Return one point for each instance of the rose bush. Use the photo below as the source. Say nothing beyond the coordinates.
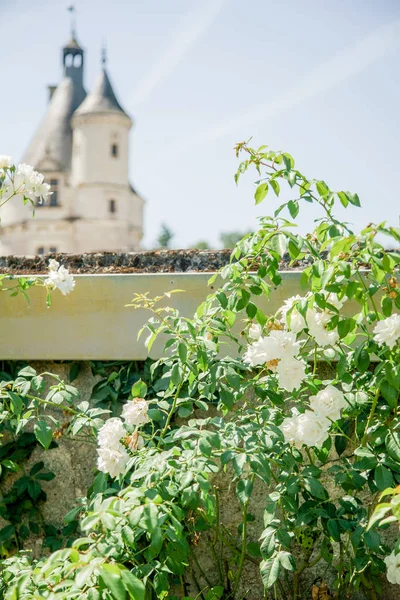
(240, 395)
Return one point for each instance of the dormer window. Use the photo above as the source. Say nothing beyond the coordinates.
(114, 150)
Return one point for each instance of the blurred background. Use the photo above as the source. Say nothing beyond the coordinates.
(318, 79)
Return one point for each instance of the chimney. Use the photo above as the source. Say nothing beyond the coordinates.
(52, 89)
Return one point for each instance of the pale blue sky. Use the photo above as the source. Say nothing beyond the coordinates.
(318, 78)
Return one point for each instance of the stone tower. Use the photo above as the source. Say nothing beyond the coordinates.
(82, 148)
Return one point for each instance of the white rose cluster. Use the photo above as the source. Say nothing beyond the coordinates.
(387, 331)
(315, 320)
(277, 351)
(311, 428)
(59, 277)
(113, 455)
(23, 180)
(393, 567)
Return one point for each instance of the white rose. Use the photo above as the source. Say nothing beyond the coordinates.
(296, 321)
(278, 344)
(265, 349)
(289, 429)
(5, 161)
(112, 460)
(312, 429)
(387, 331)
(316, 322)
(135, 412)
(255, 331)
(393, 568)
(60, 278)
(111, 433)
(291, 372)
(306, 429)
(328, 403)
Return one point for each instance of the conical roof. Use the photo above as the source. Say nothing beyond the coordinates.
(102, 98)
(53, 138)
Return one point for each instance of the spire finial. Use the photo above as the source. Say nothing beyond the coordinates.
(72, 10)
(104, 54)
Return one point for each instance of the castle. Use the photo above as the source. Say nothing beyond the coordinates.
(82, 148)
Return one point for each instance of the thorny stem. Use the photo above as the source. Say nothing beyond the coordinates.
(367, 292)
(217, 535)
(171, 412)
(53, 404)
(244, 543)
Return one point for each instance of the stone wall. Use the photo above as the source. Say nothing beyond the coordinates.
(74, 465)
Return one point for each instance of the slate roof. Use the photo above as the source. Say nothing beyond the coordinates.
(102, 98)
(53, 138)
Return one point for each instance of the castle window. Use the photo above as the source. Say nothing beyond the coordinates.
(69, 60)
(112, 206)
(40, 251)
(54, 195)
(77, 60)
(114, 150)
(52, 249)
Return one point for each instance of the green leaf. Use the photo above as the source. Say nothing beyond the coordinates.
(322, 188)
(74, 371)
(344, 327)
(278, 243)
(133, 586)
(392, 443)
(372, 540)
(270, 571)
(389, 393)
(34, 489)
(251, 310)
(261, 192)
(353, 199)
(113, 582)
(293, 207)
(275, 186)
(378, 514)
(343, 199)
(139, 389)
(215, 593)
(383, 477)
(334, 530)
(182, 351)
(387, 306)
(36, 468)
(244, 489)
(7, 533)
(315, 488)
(287, 561)
(27, 372)
(43, 433)
(16, 403)
(149, 520)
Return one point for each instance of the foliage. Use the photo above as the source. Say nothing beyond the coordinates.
(219, 417)
(229, 239)
(164, 237)
(33, 415)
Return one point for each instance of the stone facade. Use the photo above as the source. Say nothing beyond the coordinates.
(82, 148)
